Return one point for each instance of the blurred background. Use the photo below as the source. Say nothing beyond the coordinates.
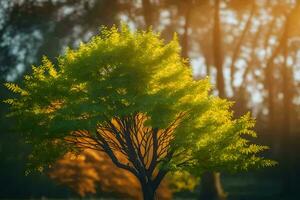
(249, 48)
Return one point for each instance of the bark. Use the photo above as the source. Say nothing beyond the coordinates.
(237, 50)
(286, 155)
(217, 50)
(148, 191)
(286, 85)
(287, 148)
(269, 75)
(148, 13)
(211, 187)
(268, 81)
(149, 186)
(185, 37)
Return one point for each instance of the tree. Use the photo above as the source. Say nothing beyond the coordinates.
(217, 50)
(30, 28)
(211, 187)
(131, 96)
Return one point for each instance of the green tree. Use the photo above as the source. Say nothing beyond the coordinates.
(131, 96)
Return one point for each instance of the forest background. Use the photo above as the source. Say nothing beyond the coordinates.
(249, 48)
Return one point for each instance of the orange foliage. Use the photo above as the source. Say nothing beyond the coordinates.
(92, 169)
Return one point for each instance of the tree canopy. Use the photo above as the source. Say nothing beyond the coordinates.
(130, 93)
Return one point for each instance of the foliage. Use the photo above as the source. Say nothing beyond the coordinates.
(123, 75)
(92, 169)
(182, 181)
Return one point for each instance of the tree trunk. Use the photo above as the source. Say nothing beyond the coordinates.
(272, 126)
(286, 155)
(211, 187)
(185, 36)
(148, 13)
(148, 191)
(237, 50)
(217, 50)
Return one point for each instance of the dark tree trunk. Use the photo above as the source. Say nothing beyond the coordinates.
(211, 187)
(148, 191)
